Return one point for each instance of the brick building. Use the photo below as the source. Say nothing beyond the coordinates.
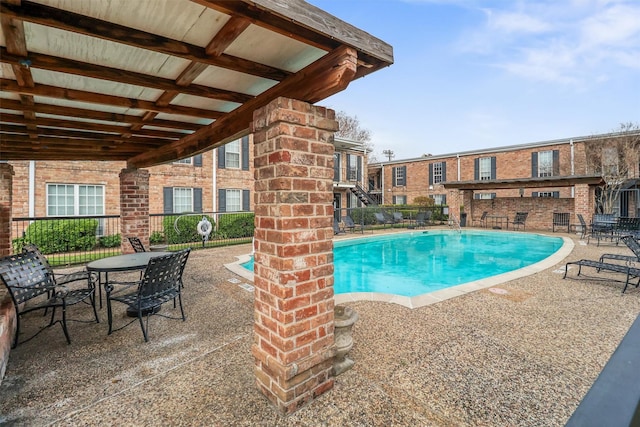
(519, 177)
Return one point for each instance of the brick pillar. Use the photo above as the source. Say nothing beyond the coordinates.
(6, 198)
(584, 200)
(134, 206)
(293, 276)
(454, 200)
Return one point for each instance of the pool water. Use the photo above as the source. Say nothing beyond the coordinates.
(412, 264)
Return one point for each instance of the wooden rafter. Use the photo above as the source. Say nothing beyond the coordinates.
(99, 98)
(85, 69)
(335, 70)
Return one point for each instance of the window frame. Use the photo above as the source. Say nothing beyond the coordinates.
(230, 155)
(484, 169)
(77, 197)
(177, 199)
(229, 191)
(545, 163)
(438, 172)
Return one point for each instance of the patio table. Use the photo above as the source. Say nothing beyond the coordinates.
(498, 219)
(119, 264)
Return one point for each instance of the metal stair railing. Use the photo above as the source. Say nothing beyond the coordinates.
(363, 195)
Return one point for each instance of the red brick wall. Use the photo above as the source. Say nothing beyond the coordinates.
(509, 164)
(540, 210)
(6, 202)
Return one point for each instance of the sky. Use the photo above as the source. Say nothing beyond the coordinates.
(472, 74)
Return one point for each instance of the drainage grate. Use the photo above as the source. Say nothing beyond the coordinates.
(233, 280)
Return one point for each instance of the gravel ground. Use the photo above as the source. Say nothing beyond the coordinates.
(522, 358)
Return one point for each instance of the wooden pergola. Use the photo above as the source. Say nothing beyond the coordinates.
(153, 81)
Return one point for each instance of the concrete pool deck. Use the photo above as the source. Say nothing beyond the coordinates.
(431, 297)
(524, 356)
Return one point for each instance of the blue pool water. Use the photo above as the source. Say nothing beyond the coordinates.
(412, 264)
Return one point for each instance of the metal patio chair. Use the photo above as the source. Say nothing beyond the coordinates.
(136, 244)
(162, 282)
(32, 286)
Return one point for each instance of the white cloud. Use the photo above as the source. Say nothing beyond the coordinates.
(563, 42)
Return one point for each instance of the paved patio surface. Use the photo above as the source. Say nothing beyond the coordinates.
(521, 358)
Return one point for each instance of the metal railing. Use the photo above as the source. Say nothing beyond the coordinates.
(78, 240)
(365, 216)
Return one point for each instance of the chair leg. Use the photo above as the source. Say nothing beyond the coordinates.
(181, 309)
(109, 316)
(15, 339)
(64, 323)
(144, 331)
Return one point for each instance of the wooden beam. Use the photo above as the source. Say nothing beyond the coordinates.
(227, 35)
(8, 85)
(98, 127)
(81, 134)
(308, 24)
(102, 116)
(81, 24)
(85, 69)
(336, 69)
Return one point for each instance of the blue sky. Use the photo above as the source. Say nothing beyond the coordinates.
(472, 74)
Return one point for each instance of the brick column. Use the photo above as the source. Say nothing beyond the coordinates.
(134, 206)
(584, 200)
(454, 200)
(293, 276)
(6, 198)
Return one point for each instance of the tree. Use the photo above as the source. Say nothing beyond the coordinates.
(349, 128)
(616, 159)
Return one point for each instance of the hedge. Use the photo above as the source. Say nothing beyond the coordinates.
(187, 228)
(63, 235)
(236, 225)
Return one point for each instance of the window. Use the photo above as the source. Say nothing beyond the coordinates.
(440, 199)
(400, 176)
(234, 200)
(545, 163)
(352, 200)
(553, 194)
(437, 173)
(336, 167)
(186, 161)
(182, 200)
(75, 200)
(485, 168)
(232, 155)
(485, 196)
(352, 167)
(399, 200)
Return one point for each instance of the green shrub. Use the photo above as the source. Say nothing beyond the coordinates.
(156, 237)
(63, 235)
(368, 215)
(234, 225)
(187, 228)
(18, 244)
(112, 241)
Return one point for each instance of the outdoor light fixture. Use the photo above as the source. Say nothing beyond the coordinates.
(521, 192)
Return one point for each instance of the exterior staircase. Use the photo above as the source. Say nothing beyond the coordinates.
(363, 196)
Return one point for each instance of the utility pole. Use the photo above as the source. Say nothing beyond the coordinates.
(389, 154)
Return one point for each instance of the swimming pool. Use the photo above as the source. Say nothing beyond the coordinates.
(417, 263)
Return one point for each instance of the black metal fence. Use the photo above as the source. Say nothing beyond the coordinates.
(397, 216)
(78, 240)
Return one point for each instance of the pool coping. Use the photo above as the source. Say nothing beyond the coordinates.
(439, 295)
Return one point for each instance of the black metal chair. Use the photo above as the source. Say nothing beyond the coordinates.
(162, 282)
(520, 220)
(383, 219)
(482, 220)
(584, 228)
(136, 244)
(632, 244)
(32, 286)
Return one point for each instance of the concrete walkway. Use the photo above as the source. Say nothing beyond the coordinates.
(521, 358)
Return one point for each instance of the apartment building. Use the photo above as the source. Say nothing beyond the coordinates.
(528, 173)
(220, 180)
